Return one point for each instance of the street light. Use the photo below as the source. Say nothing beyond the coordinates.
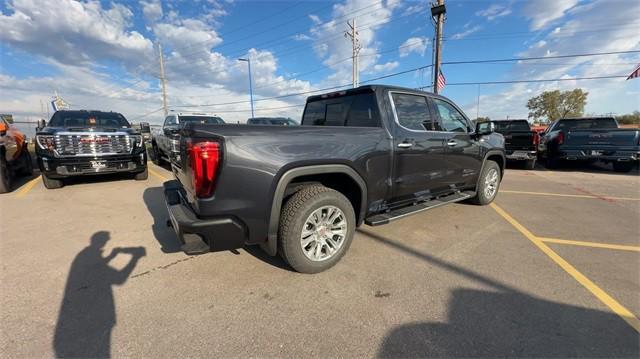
(248, 61)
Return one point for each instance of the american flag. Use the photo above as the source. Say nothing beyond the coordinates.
(441, 81)
(635, 73)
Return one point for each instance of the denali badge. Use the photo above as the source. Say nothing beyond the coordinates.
(97, 140)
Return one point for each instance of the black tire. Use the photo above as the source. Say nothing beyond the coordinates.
(51, 183)
(530, 164)
(27, 164)
(483, 195)
(157, 158)
(5, 175)
(293, 218)
(142, 176)
(623, 167)
(551, 163)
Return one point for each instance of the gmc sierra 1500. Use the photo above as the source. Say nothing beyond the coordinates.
(367, 155)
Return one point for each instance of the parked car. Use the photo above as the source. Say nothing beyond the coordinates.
(520, 141)
(79, 143)
(145, 131)
(165, 143)
(591, 139)
(370, 155)
(279, 121)
(15, 159)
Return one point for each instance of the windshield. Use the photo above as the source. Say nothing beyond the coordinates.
(586, 123)
(282, 122)
(209, 120)
(512, 126)
(88, 119)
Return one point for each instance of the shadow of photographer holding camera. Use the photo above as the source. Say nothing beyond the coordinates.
(88, 313)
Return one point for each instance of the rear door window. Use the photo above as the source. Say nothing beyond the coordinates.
(354, 110)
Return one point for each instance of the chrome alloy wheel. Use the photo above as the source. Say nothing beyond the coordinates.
(491, 183)
(323, 233)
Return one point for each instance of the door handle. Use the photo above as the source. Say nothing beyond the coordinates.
(451, 143)
(405, 145)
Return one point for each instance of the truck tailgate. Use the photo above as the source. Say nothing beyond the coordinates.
(602, 137)
(519, 140)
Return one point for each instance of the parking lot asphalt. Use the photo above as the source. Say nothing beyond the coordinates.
(551, 269)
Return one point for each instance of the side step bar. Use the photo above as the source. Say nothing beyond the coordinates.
(384, 218)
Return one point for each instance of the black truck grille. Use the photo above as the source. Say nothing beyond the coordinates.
(93, 144)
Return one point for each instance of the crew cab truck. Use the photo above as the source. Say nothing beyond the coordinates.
(520, 141)
(165, 143)
(590, 139)
(15, 158)
(81, 142)
(370, 155)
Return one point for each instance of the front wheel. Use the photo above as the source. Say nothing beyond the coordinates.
(623, 167)
(50, 183)
(530, 164)
(141, 176)
(5, 175)
(157, 156)
(488, 185)
(27, 164)
(317, 225)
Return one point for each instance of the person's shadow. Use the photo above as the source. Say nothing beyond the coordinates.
(87, 314)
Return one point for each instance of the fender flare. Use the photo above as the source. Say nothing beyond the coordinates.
(271, 246)
(484, 161)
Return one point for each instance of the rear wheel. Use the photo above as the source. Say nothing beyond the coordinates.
(51, 183)
(317, 225)
(5, 175)
(623, 166)
(488, 185)
(551, 163)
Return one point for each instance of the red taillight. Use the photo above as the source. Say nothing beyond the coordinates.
(560, 138)
(536, 139)
(204, 158)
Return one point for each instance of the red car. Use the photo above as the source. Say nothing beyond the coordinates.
(14, 155)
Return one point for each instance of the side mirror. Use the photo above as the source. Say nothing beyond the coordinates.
(41, 124)
(485, 128)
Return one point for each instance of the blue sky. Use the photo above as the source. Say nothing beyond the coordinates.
(103, 54)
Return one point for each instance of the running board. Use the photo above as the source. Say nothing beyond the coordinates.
(384, 218)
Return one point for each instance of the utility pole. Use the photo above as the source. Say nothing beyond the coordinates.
(248, 61)
(355, 50)
(163, 80)
(438, 12)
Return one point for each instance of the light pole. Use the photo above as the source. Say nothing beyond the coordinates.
(248, 61)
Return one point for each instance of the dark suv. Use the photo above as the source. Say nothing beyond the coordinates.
(77, 143)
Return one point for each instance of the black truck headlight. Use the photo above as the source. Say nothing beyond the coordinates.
(46, 142)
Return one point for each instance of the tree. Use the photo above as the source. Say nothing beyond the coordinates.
(629, 119)
(482, 119)
(553, 105)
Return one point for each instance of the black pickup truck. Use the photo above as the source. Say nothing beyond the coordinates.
(591, 139)
(77, 143)
(164, 144)
(367, 155)
(520, 142)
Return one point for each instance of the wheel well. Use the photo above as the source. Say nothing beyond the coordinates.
(340, 182)
(499, 160)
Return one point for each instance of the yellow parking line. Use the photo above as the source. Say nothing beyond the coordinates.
(571, 195)
(605, 298)
(619, 247)
(27, 187)
(158, 175)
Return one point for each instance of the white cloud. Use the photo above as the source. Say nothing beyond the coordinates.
(301, 37)
(73, 32)
(494, 11)
(413, 44)
(151, 10)
(315, 19)
(337, 48)
(467, 32)
(385, 67)
(544, 12)
(577, 36)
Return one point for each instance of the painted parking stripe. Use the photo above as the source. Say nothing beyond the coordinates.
(598, 292)
(161, 177)
(570, 195)
(27, 187)
(619, 247)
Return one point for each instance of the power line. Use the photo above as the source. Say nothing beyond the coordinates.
(531, 81)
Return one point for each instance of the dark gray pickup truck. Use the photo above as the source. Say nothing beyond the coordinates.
(591, 139)
(520, 142)
(367, 155)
